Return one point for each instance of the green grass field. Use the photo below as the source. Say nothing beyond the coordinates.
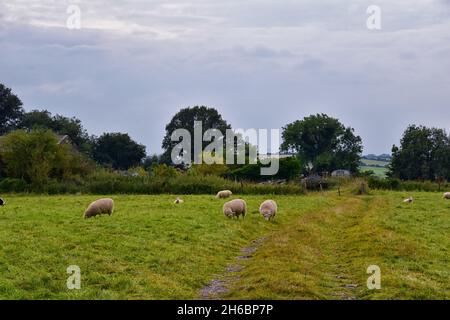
(318, 247)
(369, 162)
(378, 167)
(379, 172)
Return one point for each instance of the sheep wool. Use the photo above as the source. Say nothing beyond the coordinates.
(268, 209)
(100, 206)
(409, 200)
(235, 208)
(224, 194)
(178, 200)
(447, 195)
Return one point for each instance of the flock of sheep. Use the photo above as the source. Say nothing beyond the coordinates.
(231, 209)
(238, 207)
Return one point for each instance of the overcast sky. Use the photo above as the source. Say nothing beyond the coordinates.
(262, 64)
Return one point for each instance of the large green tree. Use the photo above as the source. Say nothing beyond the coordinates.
(72, 127)
(424, 153)
(322, 143)
(36, 119)
(184, 119)
(11, 110)
(118, 151)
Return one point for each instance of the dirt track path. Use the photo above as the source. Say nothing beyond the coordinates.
(314, 256)
(220, 286)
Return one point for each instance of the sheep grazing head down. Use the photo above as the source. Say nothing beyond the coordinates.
(267, 214)
(447, 195)
(228, 212)
(235, 208)
(101, 206)
(268, 209)
(178, 200)
(2, 202)
(224, 194)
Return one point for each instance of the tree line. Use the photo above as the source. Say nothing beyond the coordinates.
(318, 143)
(116, 150)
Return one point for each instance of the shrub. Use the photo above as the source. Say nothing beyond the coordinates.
(289, 169)
(164, 171)
(13, 185)
(137, 171)
(208, 170)
(396, 184)
(359, 187)
(315, 182)
(36, 156)
(107, 182)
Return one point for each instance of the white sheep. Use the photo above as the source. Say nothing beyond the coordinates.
(178, 200)
(235, 208)
(447, 195)
(101, 206)
(268, 209)
(2, 202)
(224, 194)
(408, 200)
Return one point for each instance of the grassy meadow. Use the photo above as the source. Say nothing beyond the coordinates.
(377, 166)
(318, 247)
(378, 171)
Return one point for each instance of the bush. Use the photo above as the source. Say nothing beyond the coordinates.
(137, 171)
(315, 182)
(108, 182)
(163, 171)
(359, 187)
(13, 185)
(396, 184)
(208, 170)
(289, 169)
(36, 156)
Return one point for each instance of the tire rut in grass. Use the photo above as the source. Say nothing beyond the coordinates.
(346, 286)
(220, 286)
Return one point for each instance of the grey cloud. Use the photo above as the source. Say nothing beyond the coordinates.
(263, 64)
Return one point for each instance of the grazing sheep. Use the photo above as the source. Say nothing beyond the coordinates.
(268, 209)
(447, 195)
(409, 200)
(2, 202)
(101, 206)
(178, 200)
(235, 208)
(224, 194)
